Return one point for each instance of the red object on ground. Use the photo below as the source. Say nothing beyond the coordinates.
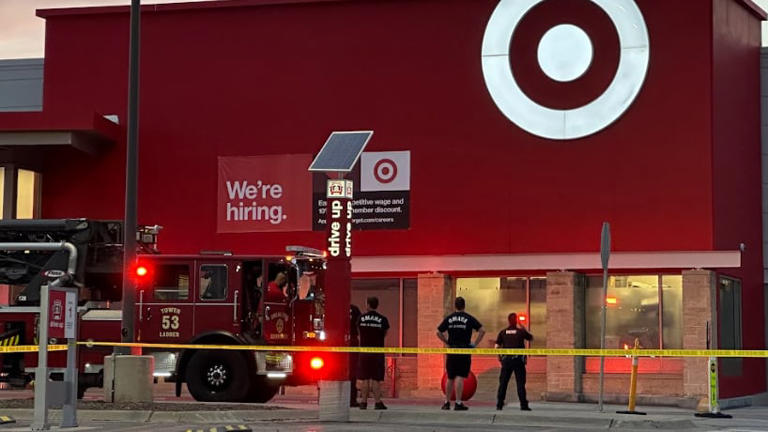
(470, 387)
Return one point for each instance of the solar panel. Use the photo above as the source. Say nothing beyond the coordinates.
(341, 151)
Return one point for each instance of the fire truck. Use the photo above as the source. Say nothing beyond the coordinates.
(210, 298)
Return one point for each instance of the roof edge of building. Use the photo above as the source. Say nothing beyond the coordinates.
(706, 259)
(753, 7)
(215, 4)
(168, 7)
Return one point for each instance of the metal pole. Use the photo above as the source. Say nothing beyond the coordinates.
(69, 408)
(602, 338)
(605, 256)
(40, 417)
(131, 178)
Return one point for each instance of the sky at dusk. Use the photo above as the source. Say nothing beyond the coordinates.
(22, 33)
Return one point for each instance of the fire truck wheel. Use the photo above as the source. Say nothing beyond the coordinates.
(262, 390)
(218, 376)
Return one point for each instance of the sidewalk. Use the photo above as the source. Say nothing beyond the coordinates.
(544, 414)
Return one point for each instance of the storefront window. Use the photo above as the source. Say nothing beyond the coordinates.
(672, 311)
(538, 312)
(730, 324)
(27, 194)
(410, 313)
(388, 292)
(633, 311)
(490, 300)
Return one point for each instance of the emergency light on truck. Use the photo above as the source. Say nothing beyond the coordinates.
(141, 271)
(316, 363)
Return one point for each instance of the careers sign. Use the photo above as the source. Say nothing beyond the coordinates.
(264, 193)
(382, 192)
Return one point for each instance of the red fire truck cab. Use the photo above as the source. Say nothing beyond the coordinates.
(211, 298)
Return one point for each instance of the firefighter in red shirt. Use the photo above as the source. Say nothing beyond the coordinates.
(275, 292)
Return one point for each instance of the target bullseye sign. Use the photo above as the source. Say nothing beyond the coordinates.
(385, 170)
(565, 53)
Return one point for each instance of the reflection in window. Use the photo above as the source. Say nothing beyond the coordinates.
(632, 311)
(490, 300)
(410, 313)
(730, 324)
(27, 194)
(171, 282)
(538, 313)
(213, 282)
(672, 311)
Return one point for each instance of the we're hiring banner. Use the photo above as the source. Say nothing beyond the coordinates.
(264, 193)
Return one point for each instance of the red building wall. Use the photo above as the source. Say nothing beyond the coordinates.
(736, 171)
(277, 79)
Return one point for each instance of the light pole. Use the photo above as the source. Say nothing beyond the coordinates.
(605, 256)
(131, 180)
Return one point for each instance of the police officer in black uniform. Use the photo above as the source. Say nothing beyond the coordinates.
(372, 327)
(513, 336)
(459, 326)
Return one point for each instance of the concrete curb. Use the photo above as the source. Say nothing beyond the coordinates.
(392, 416)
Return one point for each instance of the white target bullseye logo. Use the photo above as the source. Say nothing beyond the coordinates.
(385, 171)
(565, 54)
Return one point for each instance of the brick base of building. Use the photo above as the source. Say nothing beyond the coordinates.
(681, 382)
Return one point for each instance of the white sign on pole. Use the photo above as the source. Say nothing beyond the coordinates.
(70, 315)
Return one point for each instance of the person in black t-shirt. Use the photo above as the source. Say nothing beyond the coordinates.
(354, 340)
(513, 336)
(459, 327)
(372, 327)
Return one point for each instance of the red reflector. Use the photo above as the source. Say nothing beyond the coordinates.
(141, 271)
(316, 363)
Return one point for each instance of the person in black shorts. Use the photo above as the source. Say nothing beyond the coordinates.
(459, 327)
(354, 341)
(372, 327)
(513, 336)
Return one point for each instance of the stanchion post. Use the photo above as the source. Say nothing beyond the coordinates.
(40, 417)
(714, 393)
(633, 383)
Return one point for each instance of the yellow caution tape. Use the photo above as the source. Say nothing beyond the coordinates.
(371, 350)
(475, 351)
(29, 348)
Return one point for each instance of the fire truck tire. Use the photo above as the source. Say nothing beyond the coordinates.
(262, 390)
(218, 376)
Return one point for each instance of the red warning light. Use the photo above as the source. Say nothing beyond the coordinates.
(316, 363)
(522, 318)
(141, 271)
(611, 300)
